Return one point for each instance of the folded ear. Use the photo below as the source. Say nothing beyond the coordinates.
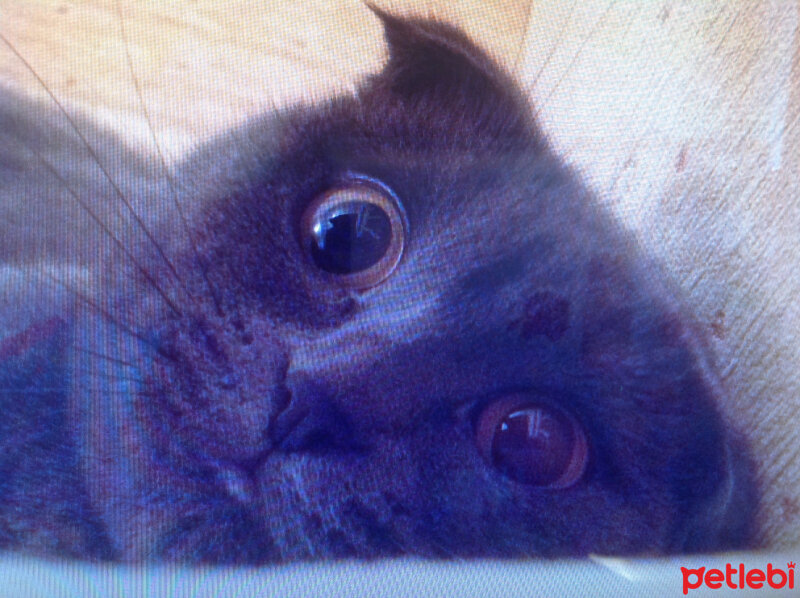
(431, 58)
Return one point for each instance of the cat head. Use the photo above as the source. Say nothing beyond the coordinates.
(399, 324)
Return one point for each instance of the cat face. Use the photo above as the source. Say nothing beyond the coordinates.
(397, 324)
(400, 325)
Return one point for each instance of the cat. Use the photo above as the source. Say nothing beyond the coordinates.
(391, 323)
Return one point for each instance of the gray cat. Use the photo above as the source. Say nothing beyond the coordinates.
(391, 323)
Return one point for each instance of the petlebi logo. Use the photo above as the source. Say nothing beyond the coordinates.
(739, 577)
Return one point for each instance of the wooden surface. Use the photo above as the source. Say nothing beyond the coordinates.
(683, 116)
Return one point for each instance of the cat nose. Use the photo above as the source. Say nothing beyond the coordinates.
(311, 422)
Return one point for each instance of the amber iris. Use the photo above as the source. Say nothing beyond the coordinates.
(532, 443)
(356, 233)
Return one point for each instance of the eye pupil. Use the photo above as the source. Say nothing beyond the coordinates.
(350, 237)
(533, 446)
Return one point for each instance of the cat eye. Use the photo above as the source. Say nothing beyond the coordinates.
(532, 443)
(356, 232)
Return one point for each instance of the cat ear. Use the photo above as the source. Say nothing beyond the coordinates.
(427, 57)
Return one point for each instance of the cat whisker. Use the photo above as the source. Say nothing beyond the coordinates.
(110, 359)
(93, 154)
(104, 356)
(106, 377)
(105, 314)
(165, 170)
(109, 378)
(104, 227)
